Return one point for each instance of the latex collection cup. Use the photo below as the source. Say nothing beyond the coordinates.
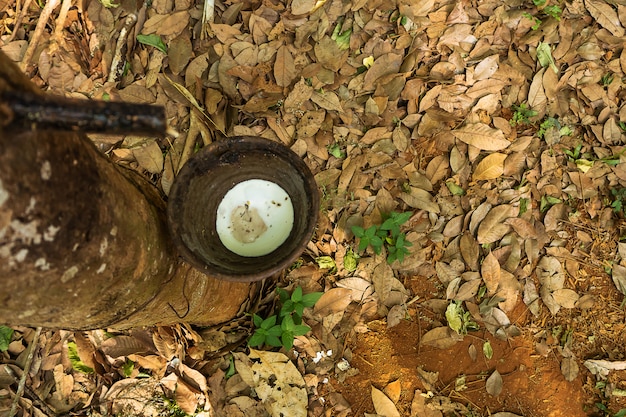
(243, 208)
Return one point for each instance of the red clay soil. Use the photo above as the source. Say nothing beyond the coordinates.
(533, 385)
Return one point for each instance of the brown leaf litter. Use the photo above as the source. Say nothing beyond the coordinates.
(419, 107)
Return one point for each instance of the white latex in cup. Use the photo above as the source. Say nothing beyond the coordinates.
(254, 218)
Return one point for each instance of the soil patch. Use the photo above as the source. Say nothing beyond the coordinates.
(533, 385)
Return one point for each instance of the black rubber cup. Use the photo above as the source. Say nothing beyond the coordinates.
(200, 187)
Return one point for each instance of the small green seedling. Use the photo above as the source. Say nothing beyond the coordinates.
(459, 320)
(536, 21)
(606, 79)
(607, 412)
(553, 11)
(548, 201)
(522, 115)
(75, 360)
(387, 234)
(154, 41)
(172, 409)
(281, 330)
(342, 37)
(619, 196)
(6, 333)
(296, 303)
(335, 150)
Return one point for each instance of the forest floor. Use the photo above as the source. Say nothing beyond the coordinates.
(499, 126)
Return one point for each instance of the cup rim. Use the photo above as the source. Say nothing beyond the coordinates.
(213, 152)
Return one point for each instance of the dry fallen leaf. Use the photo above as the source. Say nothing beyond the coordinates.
(284, 67)
(490, 273)
(494, 384)
(420, 408)
(491, 167)
(149, 156)
(606, 16)
(276, 381)
(333, 301)
(440, 337)
(393, 390)
(482, 137)
(383, 405)
(618, 273)
(569, 368)
(565, 297)
(493, 228)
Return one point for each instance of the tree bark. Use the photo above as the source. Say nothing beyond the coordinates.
(84, 243)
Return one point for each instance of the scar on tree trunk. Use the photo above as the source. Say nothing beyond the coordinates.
(83, 242)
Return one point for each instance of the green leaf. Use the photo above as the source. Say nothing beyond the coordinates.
(297, 295)
(350, 261)
(309, 300)
(128, 368)
(284, 295)
(299, 311)
(602, 407)
(342, 38)
(301, 330)
(257, 339)
(454, 316)
(231, 367)
(377, 244)
(402, 218)
(152, 40)
(287, 324)
(273, 341)
(371, 232)
(383, 234)
(297, 318)
(287, 340)
(6, 334)
(326, 262)
(621, 413)
(335, 150)
(268, 322)
(108, 4)
(363, 244)
(388, 224)
(358, 231)
(487, 350)
(554, 11)
(77, 364)
(454, 188)
(275, 331)
(257, 320)
(287, 308)
(544, 56)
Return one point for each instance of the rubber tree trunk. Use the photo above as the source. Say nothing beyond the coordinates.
(84, 243)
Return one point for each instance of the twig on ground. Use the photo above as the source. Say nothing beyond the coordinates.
(208, 14)
(57, 38)
(18, 21)
(30, 393)
(27, 364)
(118, 62)
(41, 25)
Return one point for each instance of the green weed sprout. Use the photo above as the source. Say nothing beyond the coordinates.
(460, 320)
(522, 114)
(387, 234)
(281, 330)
